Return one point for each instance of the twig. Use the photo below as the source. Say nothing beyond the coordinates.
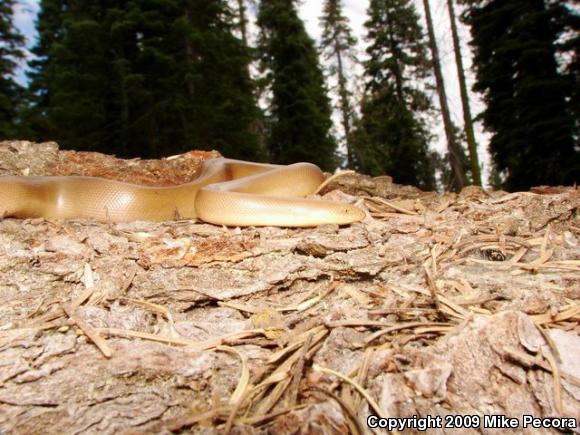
(262, 418)
(331, 179)
(529, 361)
(557, 386)
(391, 205)
(244, 380)
(360, 389)
(432, 287)
(356, 322)
(88, 330)
(297, 371)
(398, 327)
(349, 411)
(197, 345)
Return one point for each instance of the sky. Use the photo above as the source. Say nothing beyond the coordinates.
(310, 12)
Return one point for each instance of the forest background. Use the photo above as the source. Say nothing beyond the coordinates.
(154, 78)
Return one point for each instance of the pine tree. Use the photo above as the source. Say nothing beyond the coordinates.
(194, 88)
(11, 45)
(242, 20)
(80, 85)
(566, 22)
(75, 75)
(299, 110)
(337, 45)
(145, 78)
(527, 110)
(50, 28)
(392, 137)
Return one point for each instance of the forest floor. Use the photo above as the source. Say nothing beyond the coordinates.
(463, 306)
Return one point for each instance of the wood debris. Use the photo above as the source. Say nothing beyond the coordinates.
(436, 304)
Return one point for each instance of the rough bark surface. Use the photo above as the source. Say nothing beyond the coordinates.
(436, 304)
(453, 148)
(467, 119)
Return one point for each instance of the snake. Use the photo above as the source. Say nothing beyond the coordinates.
(226, 192)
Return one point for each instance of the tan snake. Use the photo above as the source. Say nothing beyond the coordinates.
(227, 192)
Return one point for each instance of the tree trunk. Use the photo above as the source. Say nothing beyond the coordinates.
(454, 150)
(467, 120)
(397, 68)
(344, 107)
(243, 22)
(124, 130)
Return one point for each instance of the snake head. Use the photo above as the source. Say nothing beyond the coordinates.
(348, 214)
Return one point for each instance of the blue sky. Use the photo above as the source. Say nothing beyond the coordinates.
(24, 15)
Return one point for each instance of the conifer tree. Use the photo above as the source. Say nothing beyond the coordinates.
(527, 111)
(299, 110)
(50, 28)
(195, 89)
(11, 45)
(391, 136)
(242, 20)
(145, 78)
(337, 45)
(79, 80)
(566, 25)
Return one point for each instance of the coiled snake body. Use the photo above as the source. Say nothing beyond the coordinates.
(227, 192)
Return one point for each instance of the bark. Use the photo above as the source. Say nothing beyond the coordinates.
(162, 327)
(397, 68)
(467, 120)
(344, 105)
(190, 55)
(124, 115)
(453, 147)
(243, 22)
